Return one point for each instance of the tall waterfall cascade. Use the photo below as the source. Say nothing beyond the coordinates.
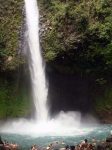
(65, 123)
(39, 88)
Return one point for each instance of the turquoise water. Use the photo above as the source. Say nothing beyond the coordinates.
(25, 141)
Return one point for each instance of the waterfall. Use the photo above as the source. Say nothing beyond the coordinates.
(65, 123)
(37, 72)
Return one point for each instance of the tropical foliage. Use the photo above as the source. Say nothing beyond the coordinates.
(78, 33)
(10, 23)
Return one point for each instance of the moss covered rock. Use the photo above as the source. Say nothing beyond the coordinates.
(10, 23)
(77, 34)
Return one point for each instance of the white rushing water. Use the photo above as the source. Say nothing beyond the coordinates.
(68, 123)
(39, 88)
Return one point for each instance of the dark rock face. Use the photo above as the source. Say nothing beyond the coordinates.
(105, 116)
(68, 93)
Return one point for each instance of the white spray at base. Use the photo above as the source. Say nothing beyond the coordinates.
(64, 123)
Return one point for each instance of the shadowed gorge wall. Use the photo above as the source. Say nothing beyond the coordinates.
(69, 92)
(15, 96)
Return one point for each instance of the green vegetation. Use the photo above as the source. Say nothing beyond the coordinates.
(104, 101)
(79, 33)
(10, 23)
(103, 104)
(14, 102)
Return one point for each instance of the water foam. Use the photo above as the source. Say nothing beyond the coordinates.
(64, 124)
